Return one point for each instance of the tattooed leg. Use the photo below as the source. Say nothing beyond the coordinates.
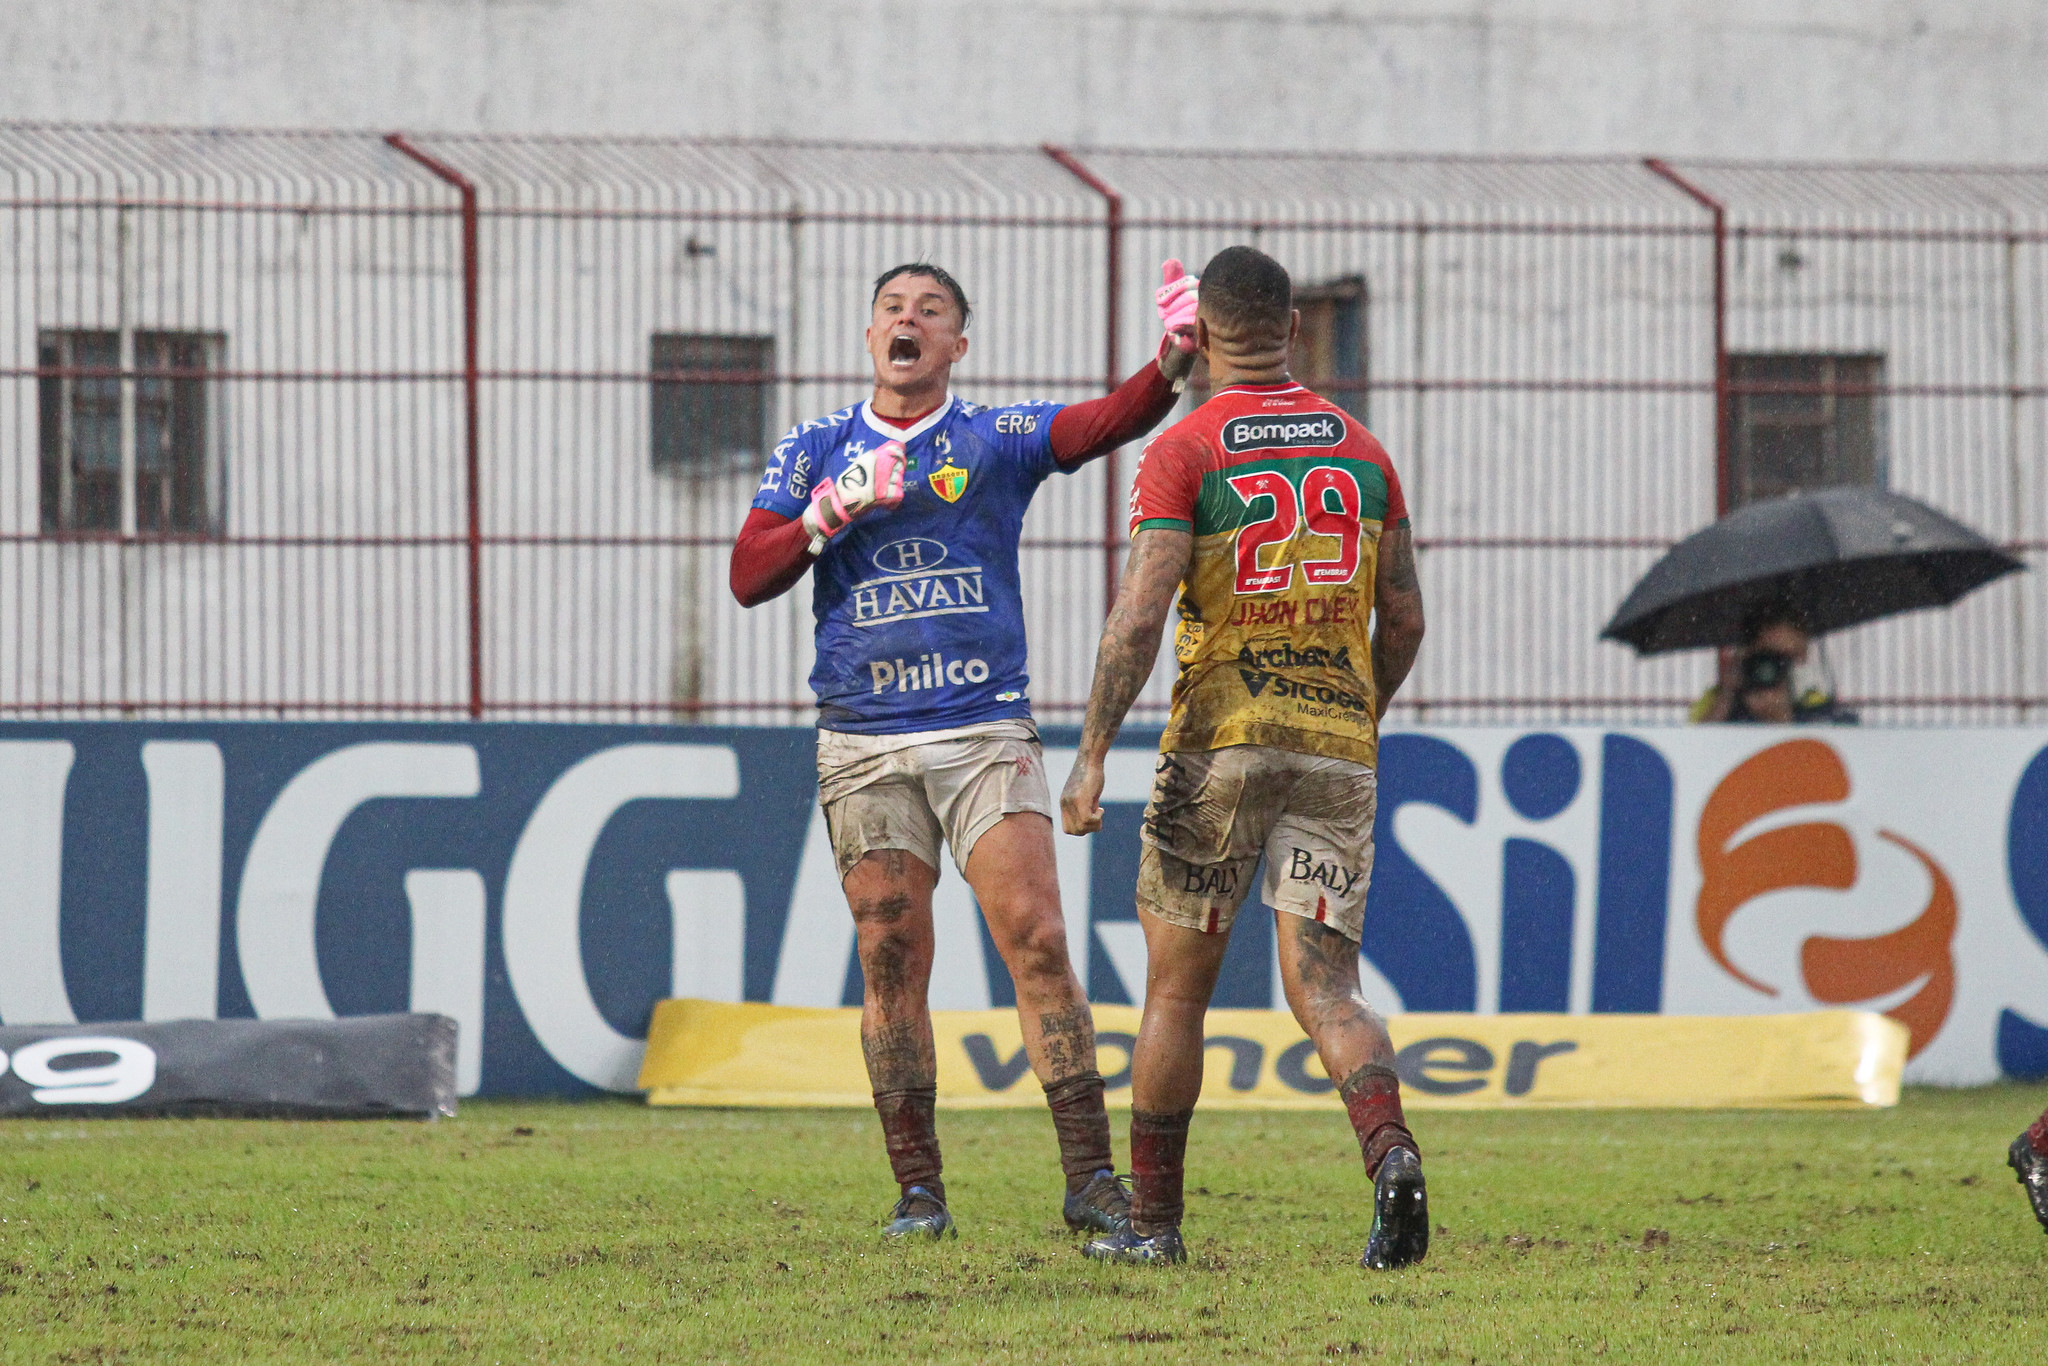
(1011, 869)
(1319, 969)
(1012, 872)
(890, 892)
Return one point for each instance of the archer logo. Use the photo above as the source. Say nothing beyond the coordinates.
(1255, 680)
(1821, 854)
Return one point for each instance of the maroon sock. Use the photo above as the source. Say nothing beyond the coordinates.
(1372, 1097)
(2037, 1135)
(1082, 1123)
(911, 1131)
(1159, 1147)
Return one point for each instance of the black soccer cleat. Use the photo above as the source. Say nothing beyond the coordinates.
(920, 1214)
(2032, 1170)
(1132, 1249)
(1400, 1214)
(1101, 1206)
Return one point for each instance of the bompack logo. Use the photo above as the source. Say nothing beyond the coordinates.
(1821, 853)
(1269, 433)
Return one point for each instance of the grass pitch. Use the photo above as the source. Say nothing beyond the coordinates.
(560, 1233)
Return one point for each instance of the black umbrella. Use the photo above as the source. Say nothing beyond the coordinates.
(1840, 556)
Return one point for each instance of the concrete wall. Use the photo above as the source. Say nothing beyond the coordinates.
(1883, 79)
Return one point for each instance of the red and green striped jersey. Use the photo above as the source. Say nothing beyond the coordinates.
(1285, 495)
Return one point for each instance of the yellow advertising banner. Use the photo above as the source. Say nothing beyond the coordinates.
(714, 1053)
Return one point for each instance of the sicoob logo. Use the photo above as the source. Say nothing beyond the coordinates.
(1242, 434)
(1821, 854)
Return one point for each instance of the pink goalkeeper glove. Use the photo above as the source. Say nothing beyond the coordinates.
(1177, 303)
(1176, 300)
(872, 479)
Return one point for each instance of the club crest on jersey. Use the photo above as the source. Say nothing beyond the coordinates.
(949, 481)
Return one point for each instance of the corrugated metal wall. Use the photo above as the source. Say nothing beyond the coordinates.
(1536, 346)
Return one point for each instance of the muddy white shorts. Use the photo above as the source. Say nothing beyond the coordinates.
(913, 791)
(1213, 812)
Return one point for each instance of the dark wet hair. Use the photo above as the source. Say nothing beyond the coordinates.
(1776, 612)
(939, 273)
(1247, 290)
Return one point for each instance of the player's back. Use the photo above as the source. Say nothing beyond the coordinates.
(1286, 496)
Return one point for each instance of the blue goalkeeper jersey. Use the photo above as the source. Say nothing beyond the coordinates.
(920, 616)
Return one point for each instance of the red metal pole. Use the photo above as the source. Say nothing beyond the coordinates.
(1113, 279)
(1724, 418)
(471, 384)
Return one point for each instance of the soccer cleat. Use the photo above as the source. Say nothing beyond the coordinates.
(1400, 1214)
(2032, 1170)
(1101, 1206)
(920, 1214)
(1132, 1249)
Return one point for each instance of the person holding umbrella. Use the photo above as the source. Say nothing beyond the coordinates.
(1769, 577)
(1770, 679)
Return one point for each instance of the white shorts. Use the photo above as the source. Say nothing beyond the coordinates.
(1213, 812)
(913, 791)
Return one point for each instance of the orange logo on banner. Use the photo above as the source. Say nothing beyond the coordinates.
(1820, 854)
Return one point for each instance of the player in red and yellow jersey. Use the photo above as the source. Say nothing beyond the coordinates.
(1280, 522)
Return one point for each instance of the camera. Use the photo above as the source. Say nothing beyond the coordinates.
(1765, 669)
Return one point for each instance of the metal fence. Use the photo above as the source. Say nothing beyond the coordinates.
(356, 425)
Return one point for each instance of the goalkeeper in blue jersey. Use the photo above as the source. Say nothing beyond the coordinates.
(907, 510)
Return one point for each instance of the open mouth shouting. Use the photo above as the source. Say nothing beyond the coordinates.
(904, 350)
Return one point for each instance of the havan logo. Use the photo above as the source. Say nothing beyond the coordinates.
(913, 584)
(1821, 854)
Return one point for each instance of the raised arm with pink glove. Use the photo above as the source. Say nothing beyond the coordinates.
(1177, 303)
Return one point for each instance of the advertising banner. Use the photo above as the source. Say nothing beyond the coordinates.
(366, 1067)
(711, 1053)
(545, 885)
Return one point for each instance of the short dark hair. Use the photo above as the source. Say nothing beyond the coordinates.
(1245, 289)
(939, 273)
(1774, 612)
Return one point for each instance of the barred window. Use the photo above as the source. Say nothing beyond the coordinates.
(1814, 423)
(176, 434)
(1330, 353)
(709, 401)
(1330, 356)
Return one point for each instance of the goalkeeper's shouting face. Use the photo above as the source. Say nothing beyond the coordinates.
(917, 333)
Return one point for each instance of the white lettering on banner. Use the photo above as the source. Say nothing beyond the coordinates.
(132, 1071)
(33, 776)
(544, 894)
(181, 939)
(447, 906)
(281, 880)
(708, 919)
(818, 936)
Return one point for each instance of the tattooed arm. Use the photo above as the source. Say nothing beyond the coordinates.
(1130, 644)
(1397, 614)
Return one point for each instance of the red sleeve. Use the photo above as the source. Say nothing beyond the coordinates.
(1082, 431)
(1168, 481)
(771, 554)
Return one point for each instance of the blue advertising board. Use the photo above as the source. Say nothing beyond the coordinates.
(545, 885)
